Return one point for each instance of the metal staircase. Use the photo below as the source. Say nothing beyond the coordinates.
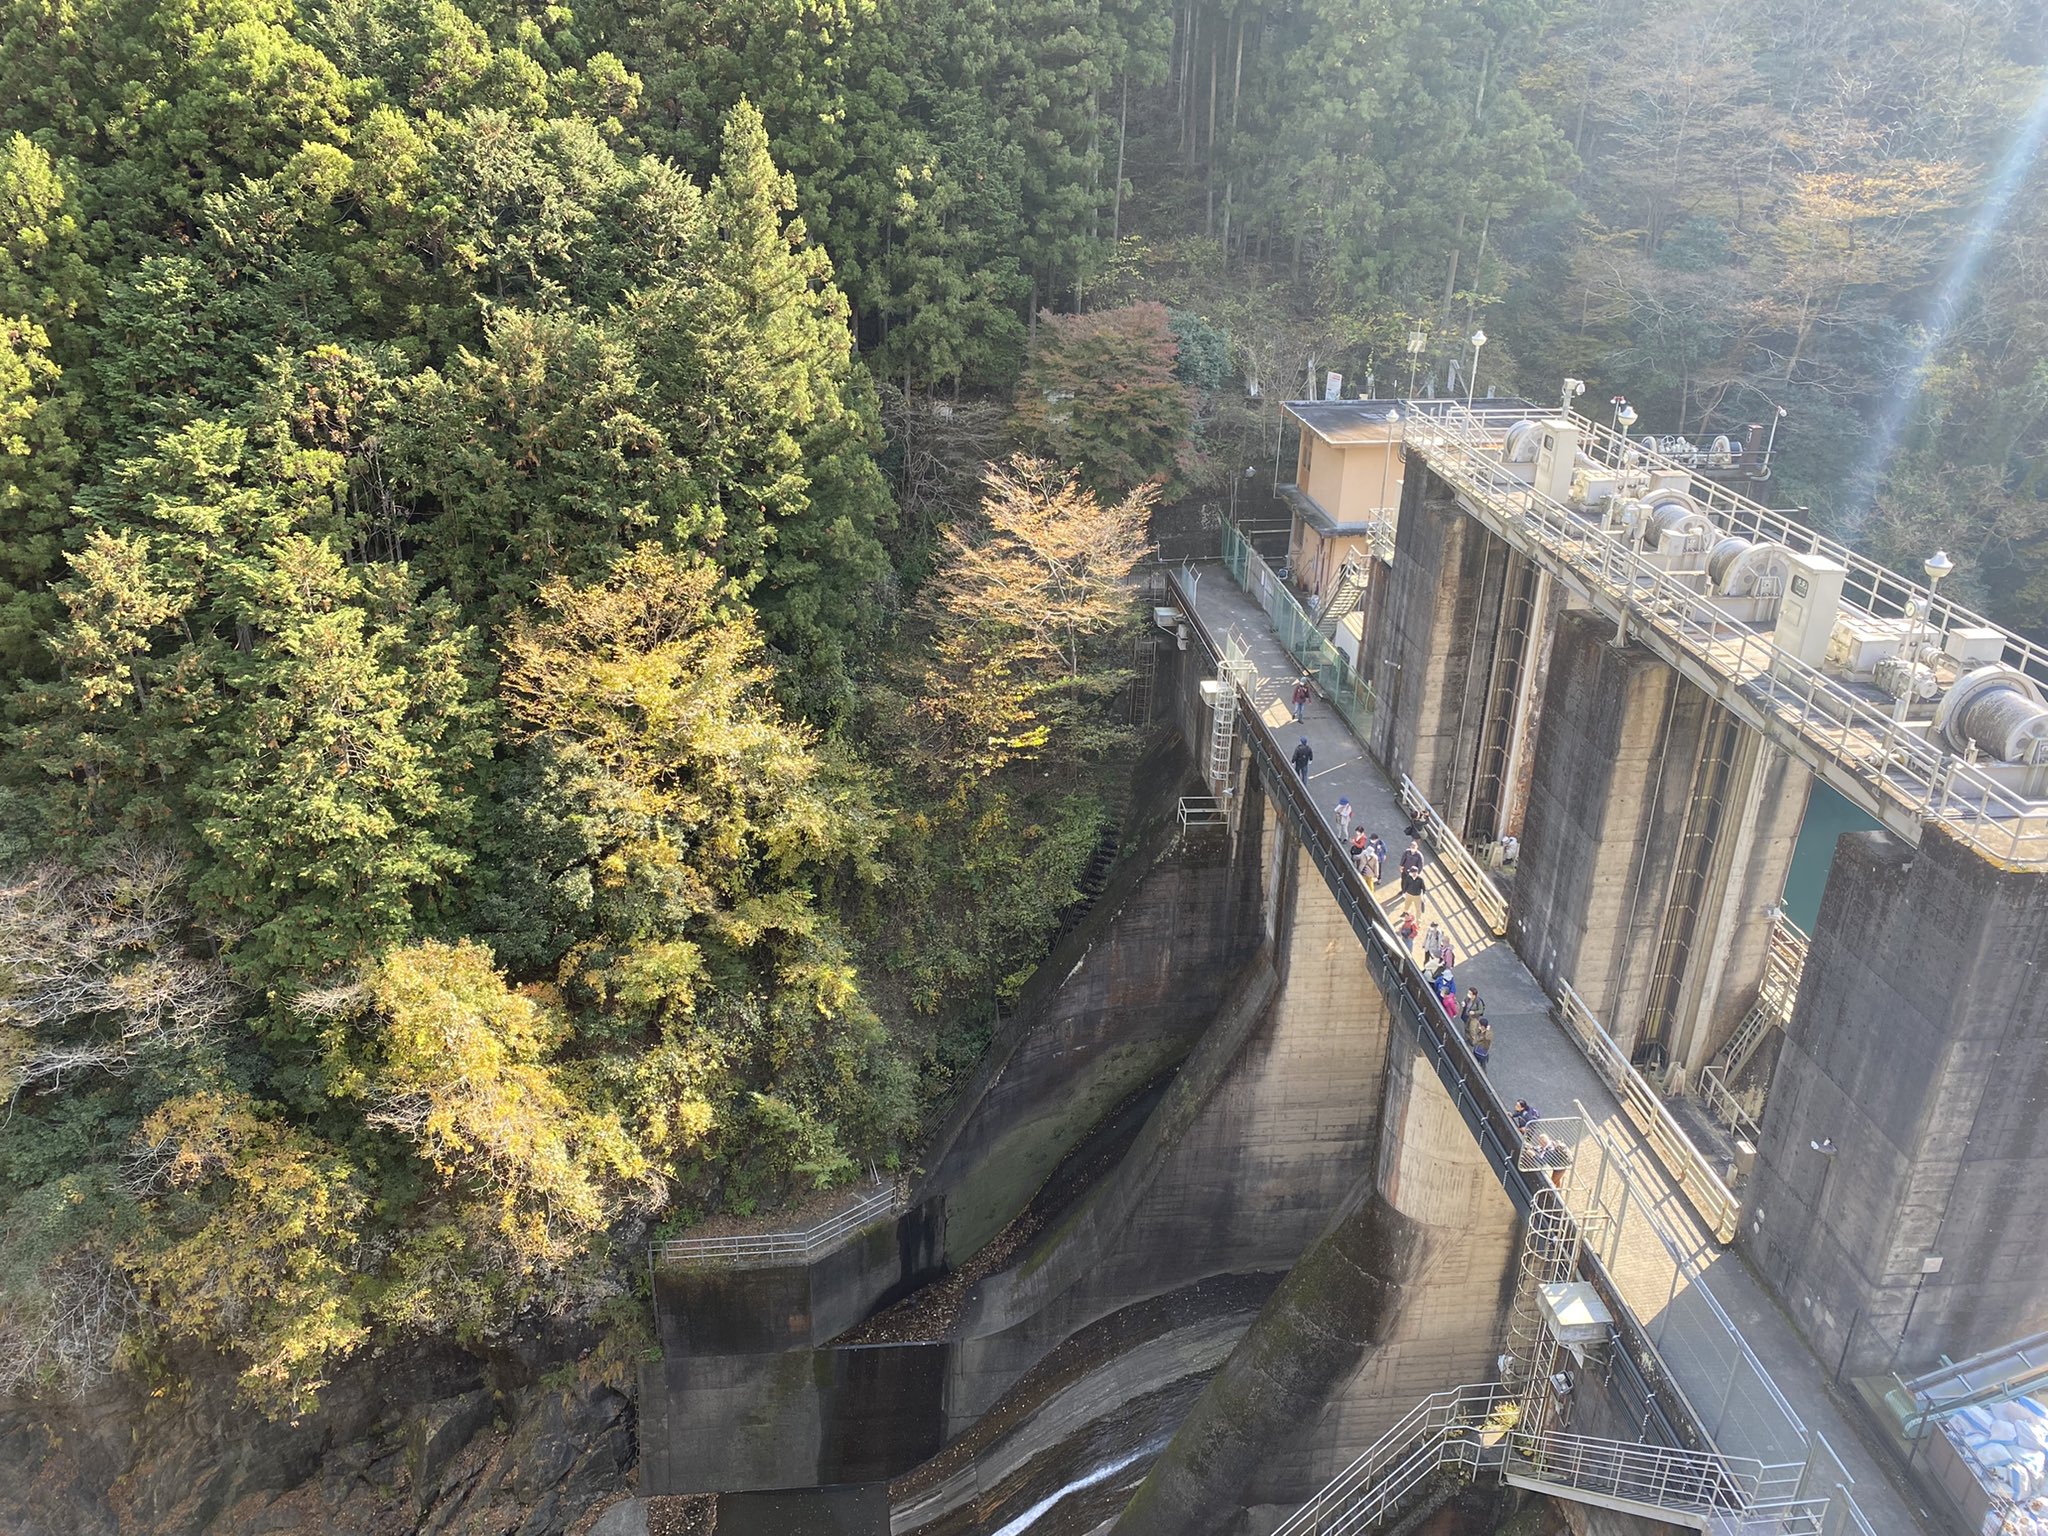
(1508, 1428)
(1475, 1429)
(1352, 579)
(1784, 961)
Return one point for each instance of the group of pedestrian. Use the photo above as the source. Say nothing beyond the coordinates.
(1369, 855)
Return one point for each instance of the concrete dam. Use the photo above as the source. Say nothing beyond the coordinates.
(1234, 1233)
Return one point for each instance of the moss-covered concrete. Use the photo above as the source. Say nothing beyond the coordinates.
(1342, 1299)
(990, 1194)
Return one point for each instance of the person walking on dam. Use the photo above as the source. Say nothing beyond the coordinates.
(1370, 853)
(1304, 754)
(1411, 877)
(1479, 1035)
(1301, 691)
(1344, 817)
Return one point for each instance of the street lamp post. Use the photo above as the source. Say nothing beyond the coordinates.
(1936, 565)
(1417, 340)
(1387, 457)
(1478, 340)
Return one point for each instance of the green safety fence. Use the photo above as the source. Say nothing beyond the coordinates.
(1335, 677)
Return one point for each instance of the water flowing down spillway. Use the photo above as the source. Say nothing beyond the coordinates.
(1029, 1519)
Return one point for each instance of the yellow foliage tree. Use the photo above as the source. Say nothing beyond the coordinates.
(459, 1065)
(1023, 606)
(688, 830)
(251, 1247)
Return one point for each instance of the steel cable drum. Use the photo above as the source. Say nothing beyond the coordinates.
(1738, 568)
(1521, 443)
(1724, 554)
(1675, 520)
(1997, 707)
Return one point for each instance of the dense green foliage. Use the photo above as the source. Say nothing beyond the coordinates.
(533, 675)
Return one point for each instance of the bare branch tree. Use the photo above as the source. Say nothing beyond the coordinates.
(98, 969)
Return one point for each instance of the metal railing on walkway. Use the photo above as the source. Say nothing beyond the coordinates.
(1685, 1163)
(1659, 1299)
(1475, 1428)
(1335, 678)
(1903, 776)
(1474, 881)
(1472, 1094)
(755, 1250)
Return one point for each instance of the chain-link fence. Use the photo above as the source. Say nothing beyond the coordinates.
(1335, 677)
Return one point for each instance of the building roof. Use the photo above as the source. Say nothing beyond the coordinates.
(1347, 421)
(1369, 421)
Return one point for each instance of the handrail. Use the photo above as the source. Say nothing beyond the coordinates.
(1687, 1165)
(1472, 1092)
(1622, 1159)
(1894, 769)
(1420, 1433)
(1477, 1427)
(1874, 588)
(1724, 1106)
(740, 1250)
(1471, 879)
(1336, 678)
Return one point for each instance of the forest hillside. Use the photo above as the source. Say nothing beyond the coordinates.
(558, 669)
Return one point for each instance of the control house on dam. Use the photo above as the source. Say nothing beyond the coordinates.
(1603, 1197)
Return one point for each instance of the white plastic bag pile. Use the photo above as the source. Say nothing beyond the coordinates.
(2006, 1445)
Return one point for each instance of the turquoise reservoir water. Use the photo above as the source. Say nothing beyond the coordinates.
(1828, 816)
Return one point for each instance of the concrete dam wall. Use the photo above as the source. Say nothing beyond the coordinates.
(1205, 1212)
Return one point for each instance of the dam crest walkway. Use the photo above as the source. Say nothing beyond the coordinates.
(1720, 1336)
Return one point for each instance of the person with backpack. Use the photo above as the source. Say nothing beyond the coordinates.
(1304, 754)
(1301, 693)
(1479, 1035)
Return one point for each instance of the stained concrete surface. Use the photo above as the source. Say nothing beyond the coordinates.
(1535, 1058)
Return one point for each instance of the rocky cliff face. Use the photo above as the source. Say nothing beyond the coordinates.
(534, 1438)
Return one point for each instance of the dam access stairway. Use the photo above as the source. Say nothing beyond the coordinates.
(1473, 1432)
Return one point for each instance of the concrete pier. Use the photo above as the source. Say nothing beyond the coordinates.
(1655, 844)
(1919, 1051)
